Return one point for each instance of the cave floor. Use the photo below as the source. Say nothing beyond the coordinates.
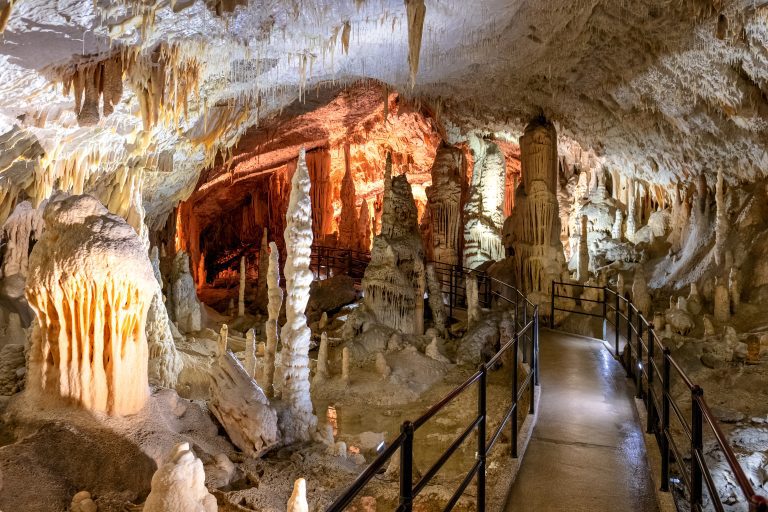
(587, 451)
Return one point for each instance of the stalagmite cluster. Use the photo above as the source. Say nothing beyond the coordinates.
(484, 209)
(299, 422)
(538, 251)
(395, 280)
(91, 348)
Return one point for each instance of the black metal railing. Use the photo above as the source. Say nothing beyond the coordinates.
(525, 338)
(326, 262)
(650, 364)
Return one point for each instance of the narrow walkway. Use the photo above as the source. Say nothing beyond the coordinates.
(587, 451)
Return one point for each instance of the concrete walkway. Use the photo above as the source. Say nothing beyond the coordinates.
(587, 451)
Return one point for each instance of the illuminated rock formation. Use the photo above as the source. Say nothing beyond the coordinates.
(365, 231)
(436, 304)
(187, 309)
(250, 353)
(395, 280)
(298, 500)
(535, 221)
(321, 372)
(21, 228)
(721, 219)
(179, 485)
(299, 422)
(348, 228)
(640, 296)
(275, 295)
(164, 361)
(241, 289)
(264, 261)
(91, 348)
(722, 301)
(484, 210)
(242, 407)
(445, 204)
(582, 273)
(473, 300)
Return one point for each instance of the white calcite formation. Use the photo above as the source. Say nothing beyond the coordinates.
(91, 348)
(299, 422)
(395, 279)
(179, 485)
(321, 372)
(187, 310)
(436, 304)
(535, 220)
(721, 219)
(473, 300)
(640, 295)
(298, 499)
(275, 297)
(242, 407)
(444, 197)
(165, 363)
(582, 273)
(21, 229)
(484, 209)
(250, 353)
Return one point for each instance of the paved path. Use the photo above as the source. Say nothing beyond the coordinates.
(587, 451)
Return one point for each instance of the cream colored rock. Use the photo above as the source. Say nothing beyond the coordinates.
(734, 288)
(640, 296)
(179, 485)
(722, 302)
(345, 365)
(321, 372)
(242, 408)
(382, 366)
(433, 352)
(473, 300)
(223, 340)
(21, 228)
(186, 307)
(92, 347)
(165, 363)
(241, 289)
(250, 353)
(275, 296)
(298, 500)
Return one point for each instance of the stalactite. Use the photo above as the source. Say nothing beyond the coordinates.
(345, 365)
(20, 230)
(299, 422)
(275, 295)
(91, 348)
(416, 11)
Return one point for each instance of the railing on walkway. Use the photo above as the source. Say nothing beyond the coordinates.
(653, 369)
(526, 321)
(327, 262)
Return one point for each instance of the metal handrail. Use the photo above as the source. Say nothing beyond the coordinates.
(642, 363)
(404, 442)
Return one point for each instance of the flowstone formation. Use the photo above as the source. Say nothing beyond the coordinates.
(484, 209)
(535, 222)
(445, 204)
(395, 279)
(91, 347)
(299, 422)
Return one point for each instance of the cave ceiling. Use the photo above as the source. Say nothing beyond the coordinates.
(662, 89)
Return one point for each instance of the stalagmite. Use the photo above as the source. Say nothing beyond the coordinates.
(631, 220)
(91, 348)
(298, 500)
(444, 196)
(250, 353)
(345, 365)
(321, 372)
(582, 273)
(179, 485)
(241, 290)
(436, 304)
(275, 294)
(734, 288)
(432, 351)
(722, 302)
(165, 363)
(242, 408)
(694, 300)
(620, 286)
(299, 422)
(223, 340)
(187, 309)
(538, 251)
(365, 232)
(721, 219)
(382, 367)
(416, 11)
(473, 300)
(348, 228)
(617, 224)
(264, 256)
(640, 296)
(395, 280)
(484, 210)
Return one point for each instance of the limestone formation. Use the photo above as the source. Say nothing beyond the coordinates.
(298, 500)
(631, 221)
(721, 219)
(348, 228)
(299, 422)
(250, 353)
(241, 289)
(345, 365)
(321, 372)
(436, 304)
(694, 300)
(484, 209)
(582, 273)
(165, 363)
(382, 366)
(179, 485)
(264, 255)
(12, 369)
(617, 224)
(734, 288)
(242, 408)
(433, 351)
(223, 340)
(395, 279)
(186, 308)
(275, 294)
(91, 348)
(21, 229)
(473, 300)
(365, 232)
(444, 198)
(640, 296)
(722, 302)
(538, 251)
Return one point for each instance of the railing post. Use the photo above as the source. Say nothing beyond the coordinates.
(534, 359)
(665, 385)
(618, 323)
(513, 419)
(450, 292)
(697, 445)
(639, 381)
(628, 366)
(650, 404)
(406, 468)
(552, 308)
(605, 314)
(481, 411)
